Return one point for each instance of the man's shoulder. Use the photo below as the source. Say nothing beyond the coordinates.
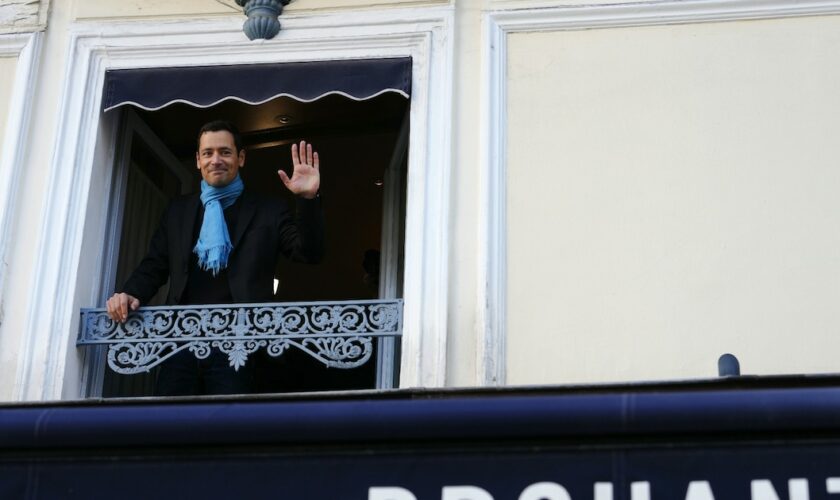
(177, 207)
(183, 201)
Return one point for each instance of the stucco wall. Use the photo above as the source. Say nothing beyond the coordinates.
(7, 69)
(466, 174)
(93, 9)
(673, 196)
(671, 192)
(8, 66)
(30, 197)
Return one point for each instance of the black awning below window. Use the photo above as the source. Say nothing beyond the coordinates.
(205, 86)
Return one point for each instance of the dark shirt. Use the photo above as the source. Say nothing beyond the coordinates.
(202, 287)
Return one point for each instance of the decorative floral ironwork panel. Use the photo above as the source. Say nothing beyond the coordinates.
(338, 334)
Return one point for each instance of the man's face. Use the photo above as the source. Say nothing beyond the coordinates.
(217, 158)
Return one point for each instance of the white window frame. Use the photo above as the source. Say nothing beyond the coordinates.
(26, 47)
(491, 324)
(49, 360)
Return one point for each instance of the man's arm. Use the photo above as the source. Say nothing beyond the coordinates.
(147, 278)
(303, 240)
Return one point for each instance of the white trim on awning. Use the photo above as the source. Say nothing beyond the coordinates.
(204, 86)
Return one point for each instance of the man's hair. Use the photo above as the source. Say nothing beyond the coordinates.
(219, 125)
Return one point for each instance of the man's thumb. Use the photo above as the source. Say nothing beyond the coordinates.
(134, 304)
(283, 176)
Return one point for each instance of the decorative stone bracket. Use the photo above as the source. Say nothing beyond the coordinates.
(338, 334)
(23, 16)
(263, 17)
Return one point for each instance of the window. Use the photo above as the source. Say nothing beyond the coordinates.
(362, 143)
(75, 218)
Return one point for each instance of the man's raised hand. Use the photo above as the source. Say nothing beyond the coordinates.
(306, 178)
(119, 304)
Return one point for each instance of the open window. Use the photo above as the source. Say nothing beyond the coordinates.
(356, 115)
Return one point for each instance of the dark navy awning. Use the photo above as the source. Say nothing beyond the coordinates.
(205, 86)
(724, 439)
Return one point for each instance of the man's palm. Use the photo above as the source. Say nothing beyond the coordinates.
(306, 176)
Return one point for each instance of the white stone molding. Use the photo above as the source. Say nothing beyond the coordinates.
(421, 33)
(498, 24)
(26, 47)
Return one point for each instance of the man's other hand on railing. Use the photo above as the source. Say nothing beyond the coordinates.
(119, 304)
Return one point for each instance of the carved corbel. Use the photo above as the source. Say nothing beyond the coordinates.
(263, 17)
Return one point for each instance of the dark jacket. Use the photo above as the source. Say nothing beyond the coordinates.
(264, 229)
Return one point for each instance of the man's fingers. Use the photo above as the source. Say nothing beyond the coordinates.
(123, 306)
(112, 312)
(114, 308)
(303, 154)
(119, 304)
(295, 156)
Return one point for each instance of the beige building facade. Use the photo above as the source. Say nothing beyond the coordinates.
(596, 192)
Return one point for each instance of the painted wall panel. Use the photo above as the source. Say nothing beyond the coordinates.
(305, 5)
(7, 69)
(31, 194)
(673, 196)
(536, 4)
(143, 8)
(461, 355)
(93, 9)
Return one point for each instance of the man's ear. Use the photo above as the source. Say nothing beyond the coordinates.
(197, 163)
(241, 158)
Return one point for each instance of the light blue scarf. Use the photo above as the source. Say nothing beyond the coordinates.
(213, 246)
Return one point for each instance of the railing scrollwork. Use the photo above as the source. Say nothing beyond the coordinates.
(338, 334)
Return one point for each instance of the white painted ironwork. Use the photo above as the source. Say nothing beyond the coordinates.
(338, 334)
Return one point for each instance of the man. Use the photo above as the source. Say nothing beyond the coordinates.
(221, 247)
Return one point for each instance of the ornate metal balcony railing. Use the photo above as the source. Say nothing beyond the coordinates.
(338, 334)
